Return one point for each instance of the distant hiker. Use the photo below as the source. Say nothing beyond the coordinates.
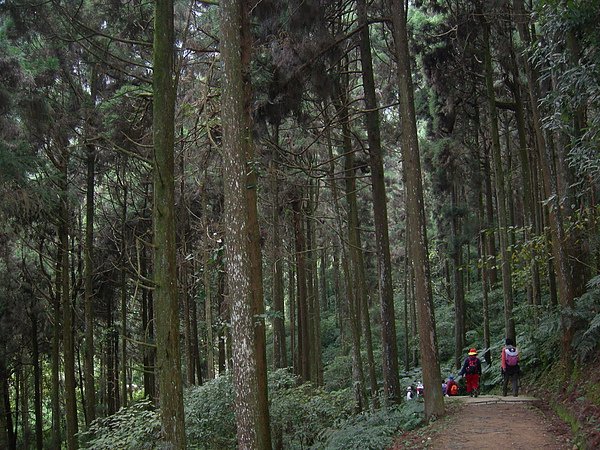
(451, 387)
(409, 393)
(444, 387)
(510, 367)
(472, 369)
(419, 389)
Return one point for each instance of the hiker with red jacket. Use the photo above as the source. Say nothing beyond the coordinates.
(472, 369)
(510, 367)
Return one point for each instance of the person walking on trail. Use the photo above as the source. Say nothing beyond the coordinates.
(472, 369)
(510, 367)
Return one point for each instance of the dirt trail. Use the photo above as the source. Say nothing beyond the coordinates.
(491, 422)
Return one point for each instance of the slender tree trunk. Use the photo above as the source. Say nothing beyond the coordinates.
(67, 310)
(311, 293)
(406, 321)
(459, 292)
(279, 348)
(147, 332)
(503, 224)
(55, 360)
(434, 401)
(8, 439)
(292, 318)
(301, 298)
(37, 385)
(184, 268)
(350, 264)
(25, 422)
(168, 359)
(206, 280)
(391, 383)
(124, 291)
(88, 362)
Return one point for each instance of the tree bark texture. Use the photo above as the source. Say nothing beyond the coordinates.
(434, 401)
(67, 308)
(253, 431)
(391, 382)
(168, 359)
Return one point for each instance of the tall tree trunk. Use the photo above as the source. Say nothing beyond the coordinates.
(88, 361)
(55, 359)
(292, 317)
(206, 281)
(123, 283)
(184, 268)
(279, 348)
(168, 359)
(316, 363)
(459, 291)
(24, 410)
(350, 264)
(37, 384)
(149, 349)
(256, 280)
(8, 439)
(67, 325)
(242, 242)
(301, 297)
(391, 382)
(505, 253)
(434, 401)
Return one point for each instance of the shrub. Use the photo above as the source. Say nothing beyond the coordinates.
(136, 427)
(375, 430)
(209, 414)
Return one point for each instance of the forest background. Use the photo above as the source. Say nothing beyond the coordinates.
(255, 224)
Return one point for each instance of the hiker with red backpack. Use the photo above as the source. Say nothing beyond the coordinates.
(472, 370)
(510, 367)
(451, 387)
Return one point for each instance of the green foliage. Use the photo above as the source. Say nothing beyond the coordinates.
(134, 428)
(300, 413)
(337, 372)
(575, 72)
(209, 414)
(374, 430)
(587, 312)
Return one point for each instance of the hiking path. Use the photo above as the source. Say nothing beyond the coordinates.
(492, 422)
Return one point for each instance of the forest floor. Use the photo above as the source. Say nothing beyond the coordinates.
(492, 422)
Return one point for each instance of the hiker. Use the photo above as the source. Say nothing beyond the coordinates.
(409, 393)
(420, 389)
(510, 367)
(472, 369)
(451, 387)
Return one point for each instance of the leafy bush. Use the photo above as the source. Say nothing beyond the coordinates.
(299, 413)
(136, 427)
(209, 414)
(587, 315)
(373, 430)
(302, 416)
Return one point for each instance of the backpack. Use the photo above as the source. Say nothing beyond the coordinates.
(472, 366)
(454, 389)
(511, 356)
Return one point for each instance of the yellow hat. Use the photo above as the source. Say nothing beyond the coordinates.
(472, 352)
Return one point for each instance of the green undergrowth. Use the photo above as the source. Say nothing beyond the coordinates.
(302, 417)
